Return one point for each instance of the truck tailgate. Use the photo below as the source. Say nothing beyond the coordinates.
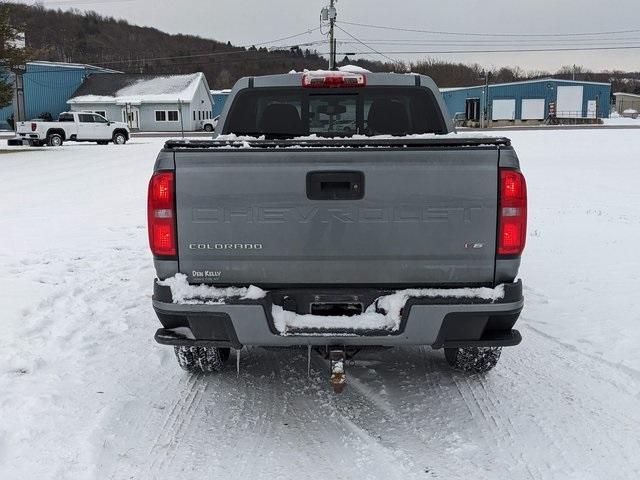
(426, 216)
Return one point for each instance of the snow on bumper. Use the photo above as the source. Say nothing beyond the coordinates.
(250, 316)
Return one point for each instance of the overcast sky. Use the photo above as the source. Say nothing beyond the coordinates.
(244, 22)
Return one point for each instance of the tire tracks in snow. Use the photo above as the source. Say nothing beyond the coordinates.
(175, 425)
(547, 411)
(579, 395)
(517, 411)
(326, 438)
(373, 418)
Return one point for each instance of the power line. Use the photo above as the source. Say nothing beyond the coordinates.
(467, 43)
(525, 43)
(476, 34)
(273, 57)
(367, 46)
(522, 50)
(372, 51)
(494, 40)
(306, 32)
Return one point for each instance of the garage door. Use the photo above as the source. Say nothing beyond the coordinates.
(533, 109)
(569, 103)
(504, 109)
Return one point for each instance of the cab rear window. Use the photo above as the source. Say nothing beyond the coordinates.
(291, 112)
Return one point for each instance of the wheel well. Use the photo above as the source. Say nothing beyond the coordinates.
(121, 130)
(60, 132)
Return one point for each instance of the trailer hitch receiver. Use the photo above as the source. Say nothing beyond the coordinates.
(338, 376)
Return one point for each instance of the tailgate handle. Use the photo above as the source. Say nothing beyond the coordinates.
(335, 185)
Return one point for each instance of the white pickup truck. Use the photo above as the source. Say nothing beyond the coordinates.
(74, 126)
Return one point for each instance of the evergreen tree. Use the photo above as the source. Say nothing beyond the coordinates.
(12, 55)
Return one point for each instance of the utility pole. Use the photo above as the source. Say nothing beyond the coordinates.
(486, 89)
(329, 14)
(484, 117)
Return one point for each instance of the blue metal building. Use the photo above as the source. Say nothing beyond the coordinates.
(48, 86)
(219, 97)
(530, 101)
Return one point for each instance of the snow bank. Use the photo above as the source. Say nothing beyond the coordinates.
(383, 314)
(183, 292)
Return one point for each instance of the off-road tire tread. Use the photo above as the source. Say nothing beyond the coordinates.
(202, 359)
(473, 359)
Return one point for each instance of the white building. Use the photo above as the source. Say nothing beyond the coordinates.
(165, 103)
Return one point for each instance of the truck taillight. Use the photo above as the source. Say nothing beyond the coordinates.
(161, 214)
(333, 80)
(33, 127)
(512, 213)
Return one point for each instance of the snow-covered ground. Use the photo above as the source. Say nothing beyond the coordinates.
(618, 120)
(86, 393)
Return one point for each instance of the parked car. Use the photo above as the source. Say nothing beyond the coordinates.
(405, 234)
(209, 125)
(206, 125)
(75, 126)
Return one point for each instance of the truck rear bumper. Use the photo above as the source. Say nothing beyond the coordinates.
(32, 141)
(438, 322)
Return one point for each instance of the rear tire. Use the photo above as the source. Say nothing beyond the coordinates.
(55, 140)
(208, 127)
(202, 359)
(473, 359)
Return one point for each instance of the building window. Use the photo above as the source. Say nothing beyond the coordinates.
(167, 116)
(194, 114)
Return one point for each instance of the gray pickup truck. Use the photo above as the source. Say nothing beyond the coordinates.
(337, 210)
